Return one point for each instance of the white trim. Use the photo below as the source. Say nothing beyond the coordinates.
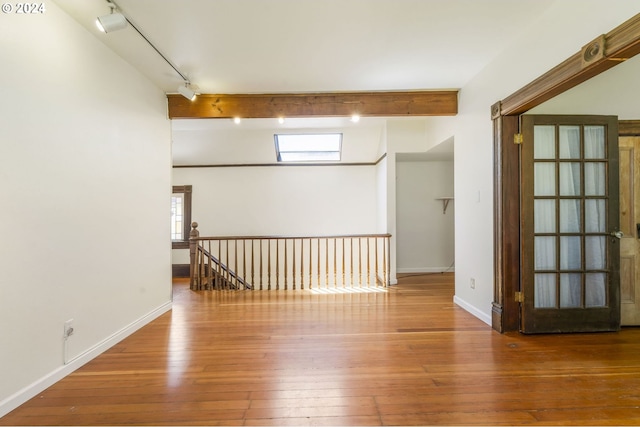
(12, 402)
(447, 269)
(471, 309)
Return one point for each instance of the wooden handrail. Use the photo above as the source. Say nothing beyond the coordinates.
(282, 237)
(289, 262)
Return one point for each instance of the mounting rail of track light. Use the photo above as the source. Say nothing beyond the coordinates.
(116, 20)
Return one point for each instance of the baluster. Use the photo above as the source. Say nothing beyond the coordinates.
(209, 281)
(235, 267)
(277, 264)
(294, 263)
(253, 282)
(261, 264)
(387, 267)
(335, 262)
(227, 263)
(343, 267)
(269, 264)
(219, 276)
(286, 270)
(360, 260)
(368, 264)
(318, 241)
(193, 243)
(351, 259)
(301, 263)
(199, 276)
(377, 242)
(310, 266)
(244, 262)
(326, 256)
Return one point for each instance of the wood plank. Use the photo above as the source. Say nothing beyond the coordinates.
(406, 356)
(345, 104)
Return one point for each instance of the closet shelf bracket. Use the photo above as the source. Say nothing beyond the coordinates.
(445, 203)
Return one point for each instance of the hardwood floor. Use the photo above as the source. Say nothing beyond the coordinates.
(408, 356)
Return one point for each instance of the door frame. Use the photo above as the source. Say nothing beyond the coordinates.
(603, 53)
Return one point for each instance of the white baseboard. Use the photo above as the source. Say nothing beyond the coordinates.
(12, 402)
(447, 269)
(486, 318)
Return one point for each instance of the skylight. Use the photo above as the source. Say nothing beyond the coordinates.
(319, 147)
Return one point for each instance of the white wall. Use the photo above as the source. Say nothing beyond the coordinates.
(562, 31)
(425, 236)
(614, 92)
(281, 200)
(85, 173)
(381, 183)
(402, 136)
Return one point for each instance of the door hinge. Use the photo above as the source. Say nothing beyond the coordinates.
(517, 138)
(519, 297)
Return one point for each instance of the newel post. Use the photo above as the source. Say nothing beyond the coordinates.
(193, 268)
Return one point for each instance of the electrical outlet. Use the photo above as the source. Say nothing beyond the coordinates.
(472, 283)
(68, 328)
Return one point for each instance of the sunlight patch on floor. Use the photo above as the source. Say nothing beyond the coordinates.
(351, 290)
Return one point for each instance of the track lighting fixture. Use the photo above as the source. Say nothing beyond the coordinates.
(187, 92)
(117, 21)
(113, 22)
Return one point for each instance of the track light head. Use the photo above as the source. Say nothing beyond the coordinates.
(187, 92)
(112, 22)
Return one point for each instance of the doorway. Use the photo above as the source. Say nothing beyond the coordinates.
(425, 211)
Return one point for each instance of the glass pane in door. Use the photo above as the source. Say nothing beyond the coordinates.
(594, 146)
(595, 216)
(544, 142)
(595, 252)
(570, 290)
(595, 179)
(595, 286)
(545, 216)
(545, 253)
(570, 215)
(545, 179)
(570, 253)
(570, 179)
(569, 142)
(545, 291)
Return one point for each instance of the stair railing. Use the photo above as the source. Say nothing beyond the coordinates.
(288, 262)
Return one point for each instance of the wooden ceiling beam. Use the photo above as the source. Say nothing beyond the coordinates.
(346, 104)
(620, 44)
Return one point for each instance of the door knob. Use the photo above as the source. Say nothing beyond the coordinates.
(617, 234)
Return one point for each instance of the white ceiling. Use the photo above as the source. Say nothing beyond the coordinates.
(284, 46)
